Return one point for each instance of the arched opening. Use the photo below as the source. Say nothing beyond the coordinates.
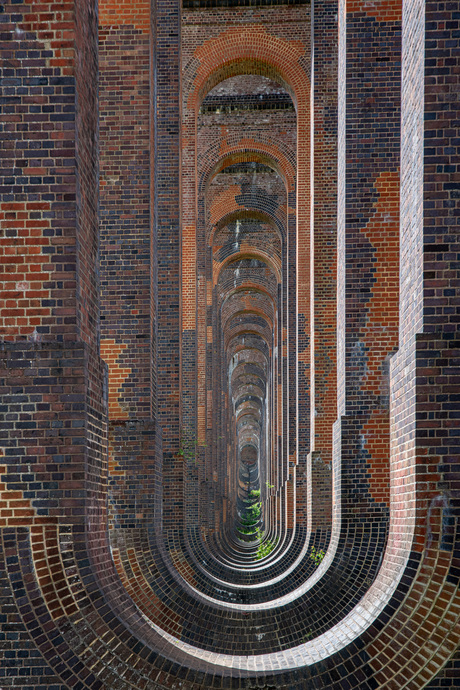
(245, 214)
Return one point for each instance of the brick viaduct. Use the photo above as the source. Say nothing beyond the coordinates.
(230, 358)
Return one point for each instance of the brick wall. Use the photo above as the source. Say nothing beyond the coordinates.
(125, 210)
(43, 197)
(121, 565)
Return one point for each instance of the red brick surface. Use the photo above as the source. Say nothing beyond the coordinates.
(229, 255)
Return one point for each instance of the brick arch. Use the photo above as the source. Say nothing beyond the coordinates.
(191, 203)
(227, 203)
(247, 254)
(247, 328)
(249, 389)
(253, 333)
(227, 326)
(247, 213)
(256, 380)
(246, 50)
(226, 283)
(243, 378)
(248, 423)
(248, 445)
(246, 151)
(254, 49)
(432, 581)
(247, 408)
(250, 50)
(253, 289)
(236, 372)
(247, 437)
(246, 397)
(235, 333)
(252, 313)
(244, 351)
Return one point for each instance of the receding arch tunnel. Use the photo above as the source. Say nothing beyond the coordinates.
(229, 345)
(272, 540)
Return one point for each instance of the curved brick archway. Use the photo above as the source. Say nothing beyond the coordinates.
(121, 566)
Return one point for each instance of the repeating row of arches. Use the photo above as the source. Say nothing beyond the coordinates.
(248, 406)
(232, 406)
(267, 515)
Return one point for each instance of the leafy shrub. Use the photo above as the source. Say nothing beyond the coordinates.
(316, 555)
(266, 548)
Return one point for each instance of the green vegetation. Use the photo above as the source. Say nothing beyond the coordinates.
(251, 514)
(316, 555)
(188, 446)
(247, 530)
(266, 548)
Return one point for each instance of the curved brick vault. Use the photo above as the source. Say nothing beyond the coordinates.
(230, 390)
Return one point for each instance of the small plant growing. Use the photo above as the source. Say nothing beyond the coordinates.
(266, 548)
(316, 555)
(187, 447)
(246, 530)
(251, 514)
(252, 510)
(270, 486)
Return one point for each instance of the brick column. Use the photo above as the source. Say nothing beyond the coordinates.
(324, 247)
(368, 248)
(53, 446)
(167, 248)
(50, 284)
(424, 382)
